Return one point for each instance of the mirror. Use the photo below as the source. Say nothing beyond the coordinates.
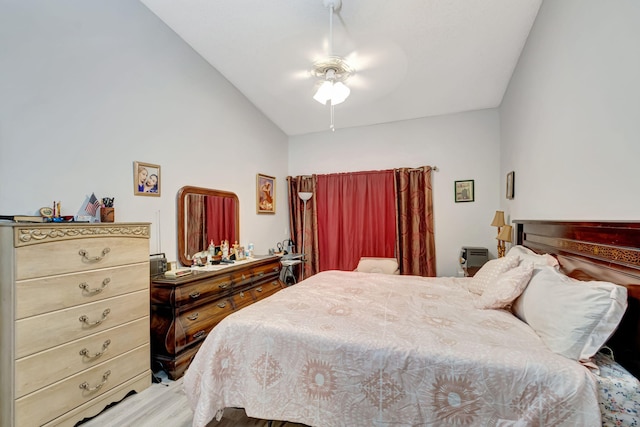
(204, 215)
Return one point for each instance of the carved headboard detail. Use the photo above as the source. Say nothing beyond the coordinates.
(596, 250)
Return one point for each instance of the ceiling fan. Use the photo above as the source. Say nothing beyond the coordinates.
(373, 67)
(333, 70)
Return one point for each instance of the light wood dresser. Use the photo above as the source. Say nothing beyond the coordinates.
(184, 310)
(74, 319)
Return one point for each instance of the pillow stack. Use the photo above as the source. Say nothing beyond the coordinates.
(507, 288)
(500, 281)
(573, 318)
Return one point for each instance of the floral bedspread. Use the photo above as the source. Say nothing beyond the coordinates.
(619, 394)
(366, 349)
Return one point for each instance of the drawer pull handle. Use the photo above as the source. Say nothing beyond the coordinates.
(85, 352)
(261, 274)
(193, 316)
(241, 294)
(85, 287)
(85, 255)
(194, 295)
(276, 269)
(222, 304)
(198, 334)
(84, 319)
(85, 385)
(243, 277)
(259, 289)
(224, 286)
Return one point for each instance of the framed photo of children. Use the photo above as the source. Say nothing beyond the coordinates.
(464, 191)
(266, 194)
(146, 179)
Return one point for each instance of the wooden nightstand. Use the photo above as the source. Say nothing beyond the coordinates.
(470, 271)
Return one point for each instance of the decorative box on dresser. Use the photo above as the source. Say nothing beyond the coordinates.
(185, 309)
(74, 319)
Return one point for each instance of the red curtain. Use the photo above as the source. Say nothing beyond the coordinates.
(221, 220)
(356, 217)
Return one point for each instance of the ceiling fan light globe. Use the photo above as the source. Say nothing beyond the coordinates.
(340, 93)
(324, 92)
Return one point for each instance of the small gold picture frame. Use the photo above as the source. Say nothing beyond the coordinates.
(146, 179)
(265, 194)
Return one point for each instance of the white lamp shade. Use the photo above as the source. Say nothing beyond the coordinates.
(324, 92)
(305, 195)
(340, 93)
(330, 91)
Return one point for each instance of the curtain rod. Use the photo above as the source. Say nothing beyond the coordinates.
(433, 168)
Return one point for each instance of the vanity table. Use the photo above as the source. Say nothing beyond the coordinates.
(185, 309)
(289, 261)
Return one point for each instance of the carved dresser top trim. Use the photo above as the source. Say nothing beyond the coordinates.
(34, 234)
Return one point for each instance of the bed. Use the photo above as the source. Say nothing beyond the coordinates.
(362, 349)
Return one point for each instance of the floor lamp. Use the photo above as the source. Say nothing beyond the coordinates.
(304, 195)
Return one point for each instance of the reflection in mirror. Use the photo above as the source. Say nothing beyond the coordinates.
(205, 215)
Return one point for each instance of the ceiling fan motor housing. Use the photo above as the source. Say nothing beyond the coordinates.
(336, 4)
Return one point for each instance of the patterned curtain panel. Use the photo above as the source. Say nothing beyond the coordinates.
(195, 218)
(297, 213)
(416, 242)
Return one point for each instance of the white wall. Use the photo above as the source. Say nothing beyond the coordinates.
(462, 146)
(89, 87)
(571, 114)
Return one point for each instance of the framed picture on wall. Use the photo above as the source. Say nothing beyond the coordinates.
(464, 191)
(265, 194)
(511, 176)
(146, 179)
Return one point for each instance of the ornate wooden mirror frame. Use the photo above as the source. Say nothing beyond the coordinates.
(193, 228)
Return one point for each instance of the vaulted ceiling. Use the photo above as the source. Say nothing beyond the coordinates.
(412, 58)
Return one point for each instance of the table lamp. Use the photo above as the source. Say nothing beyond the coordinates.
(503, 237)
(498, 221)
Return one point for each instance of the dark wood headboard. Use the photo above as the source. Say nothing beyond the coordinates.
(596, 250)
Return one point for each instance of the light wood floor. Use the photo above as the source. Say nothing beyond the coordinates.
(165, 405)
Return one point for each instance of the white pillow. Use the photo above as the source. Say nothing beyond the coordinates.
(508, 287)
(489, 273)
(537, 259)
(573, 318)
(378, 265)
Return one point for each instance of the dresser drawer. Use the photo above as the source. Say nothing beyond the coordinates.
(41, 332)
(196, 324)
(65, 395)
(68, 256)
(266, 289)
(49, 366)
(202, 290)
(36, 296)
(265, 271)
(97, 405)
(242, 299)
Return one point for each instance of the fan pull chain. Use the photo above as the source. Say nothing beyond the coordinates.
(332, 127)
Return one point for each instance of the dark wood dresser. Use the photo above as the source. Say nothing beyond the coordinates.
(185, 309)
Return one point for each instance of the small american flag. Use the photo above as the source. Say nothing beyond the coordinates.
(92, 205)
